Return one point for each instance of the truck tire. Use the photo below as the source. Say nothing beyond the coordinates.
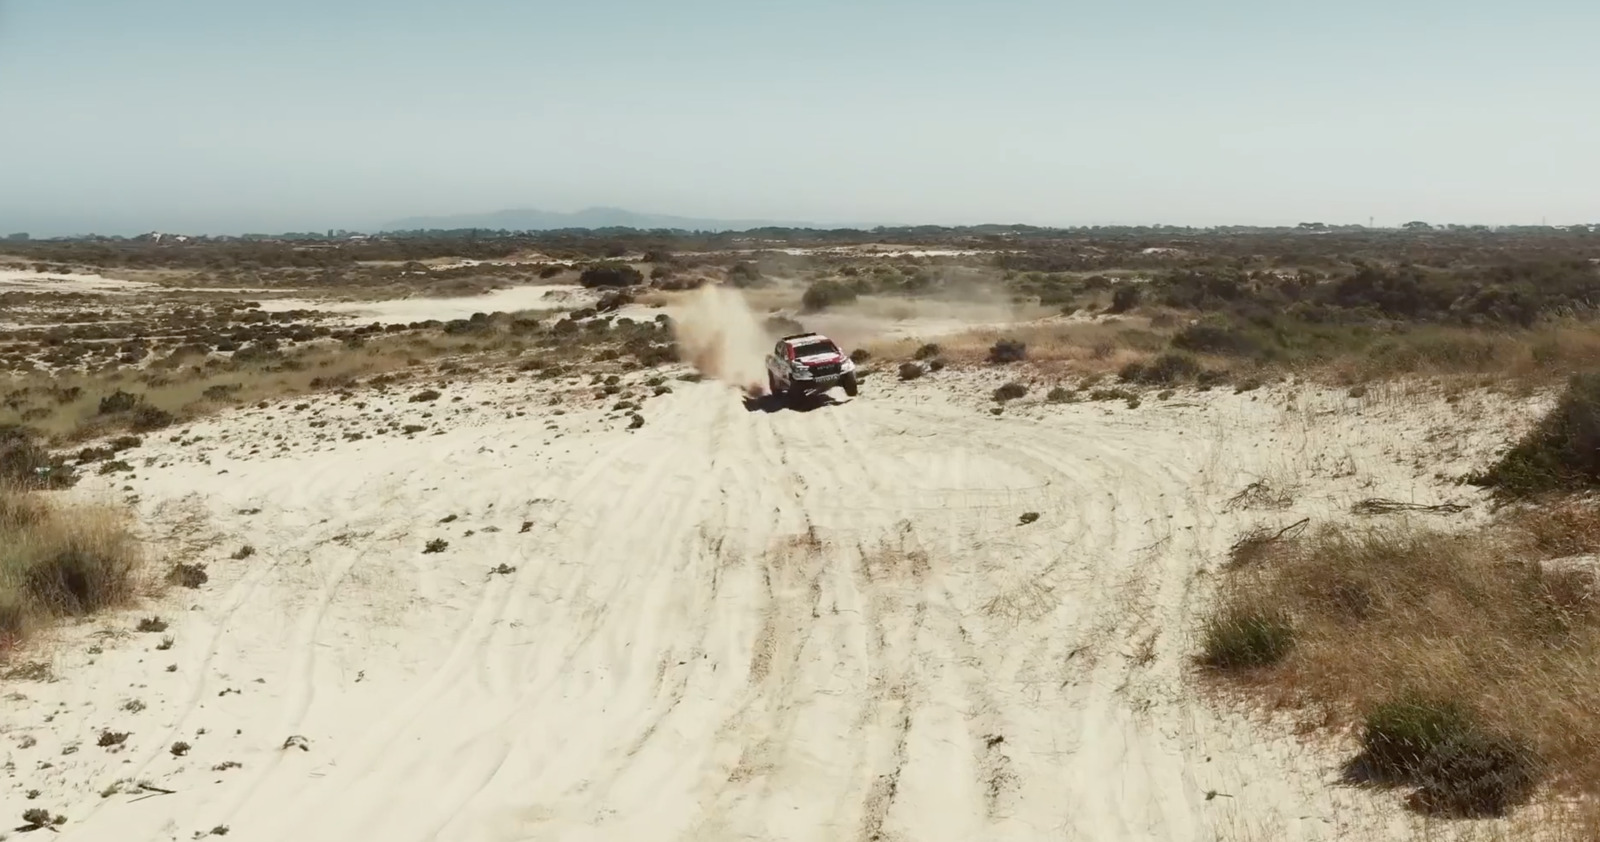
(772, 385)
(850, 386)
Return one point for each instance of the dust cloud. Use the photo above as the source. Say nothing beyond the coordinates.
(722, 338)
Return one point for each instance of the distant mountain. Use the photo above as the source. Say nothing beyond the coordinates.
(531, 219)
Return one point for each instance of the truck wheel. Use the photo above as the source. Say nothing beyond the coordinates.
(772, 385)
(850, 387)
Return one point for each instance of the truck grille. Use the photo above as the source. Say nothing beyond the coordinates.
(825, 370)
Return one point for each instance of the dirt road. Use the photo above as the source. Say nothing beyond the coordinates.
(728, 624)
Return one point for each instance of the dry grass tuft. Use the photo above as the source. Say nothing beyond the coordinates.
(60, 561)
(1471, 662)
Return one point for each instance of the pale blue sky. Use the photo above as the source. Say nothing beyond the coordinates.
(217, 115)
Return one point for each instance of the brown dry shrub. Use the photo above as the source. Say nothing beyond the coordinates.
(58, 560)
(1363, 622)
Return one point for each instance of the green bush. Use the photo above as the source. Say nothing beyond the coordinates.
(1241, 638)
(1125, 297)
(824, 294)
(1165, 370)
(1222, 340)
(1457, 767)
(1008, 351)
(610, 275)
(1476, 774)
(1399, 736)
(1010, 392)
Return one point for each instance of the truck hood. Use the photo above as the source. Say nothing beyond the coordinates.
(820, 359)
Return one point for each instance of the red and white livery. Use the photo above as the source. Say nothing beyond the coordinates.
(809, 364)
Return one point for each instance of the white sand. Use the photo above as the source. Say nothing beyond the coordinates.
(726, 625)
(419, 309)
(27, 280)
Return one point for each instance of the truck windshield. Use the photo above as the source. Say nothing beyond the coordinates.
(812, 349)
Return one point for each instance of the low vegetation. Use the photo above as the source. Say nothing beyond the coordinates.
(825, 294)
(1561, 453)
(58, 561)
(1467, 660)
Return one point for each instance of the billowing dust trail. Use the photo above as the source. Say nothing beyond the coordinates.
(719, 335)
(728, 624)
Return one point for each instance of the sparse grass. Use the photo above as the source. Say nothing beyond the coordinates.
(152, 625)
(436, 545)
(243, 553)
(1562, 453)
(1469, 663)
(58, 560)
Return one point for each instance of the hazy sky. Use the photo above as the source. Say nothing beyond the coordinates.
(217, 115)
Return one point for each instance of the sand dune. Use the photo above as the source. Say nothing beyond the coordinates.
(729, 624)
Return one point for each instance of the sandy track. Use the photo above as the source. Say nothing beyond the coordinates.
(728, 624)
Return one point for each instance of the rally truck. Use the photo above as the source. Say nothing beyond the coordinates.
(805, 364)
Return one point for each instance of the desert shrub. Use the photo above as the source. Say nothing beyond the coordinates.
(860, 355)
(1477, 774)
(118, 401)
(927, 352)
(610, 275)
(825, 294)
(744, 275)
(1059, 395)
(188, 575)
(222, 391)
(1171, 367)
(24, 463)
(60, 561)
(936, 364)
(146, 418)
(424, 396)
(1397, 736)
(1561, 453)
(1112, 395)
(1008, 351)
(1243, 638)
(910, 371)
(1457, 766)
(1010, 392)
(1125, 297)
(1220, 339)
(1165, 370)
